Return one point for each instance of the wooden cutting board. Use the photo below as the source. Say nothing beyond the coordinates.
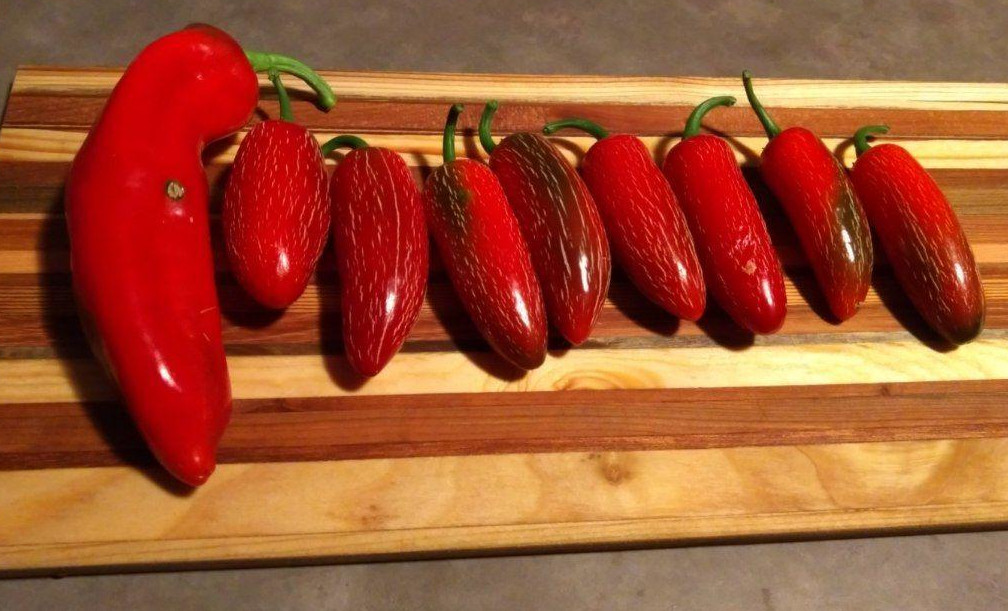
(654, 432)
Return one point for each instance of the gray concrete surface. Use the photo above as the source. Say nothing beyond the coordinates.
(925, 40)
(947, 573)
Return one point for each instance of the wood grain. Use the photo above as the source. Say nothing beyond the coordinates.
(46, 381)
(424, 150)
(40, 320)
(267, 513)
(36, 188)
(351, 116)
(656, 431)
(328, 428)
(571, 89)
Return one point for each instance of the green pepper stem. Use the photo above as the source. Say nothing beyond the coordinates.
(285, 106)
(354, 142)
(768, 123)
(693, 122)
(584, 125)
(861, 136)
(264, 62)
(448, 144)
(484, 126)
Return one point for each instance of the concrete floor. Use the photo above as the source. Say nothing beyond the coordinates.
(924, 40)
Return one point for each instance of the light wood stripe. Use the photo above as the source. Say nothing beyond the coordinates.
(450, 505)
(686, 91)
(45, 145)
(54, 380)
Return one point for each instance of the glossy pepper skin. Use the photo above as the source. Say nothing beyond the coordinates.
(380, 239)
(741, 269)
(136, 207)
(646, 228)
(812, 186)
(481, 245)
(276, 213)
(561, 225)
(921, 236)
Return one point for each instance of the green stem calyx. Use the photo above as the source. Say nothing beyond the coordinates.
(285, 106)
(861, 137)
(768, 123)
(484, 126)
(354, 142)
(693, 122)
(448, 144)
(270, 62)
(584, 125)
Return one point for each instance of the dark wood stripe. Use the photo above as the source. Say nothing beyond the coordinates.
(39, 319)
(78, 435)
(79, 111)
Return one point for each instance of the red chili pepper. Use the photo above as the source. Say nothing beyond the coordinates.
(921, 236)
(136, 207)
(380, 239)
(484, 254)
(275, 212)
(741, 268)
(642, 218)
(812, 187)
(560, 223)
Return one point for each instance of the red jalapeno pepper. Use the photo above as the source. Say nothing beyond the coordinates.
(481, 245)
(921, 236)
(560, 223)
(813, 189)
(380, 239)
(275, 213)
(646, 227)
(136, 208)
(740, 266)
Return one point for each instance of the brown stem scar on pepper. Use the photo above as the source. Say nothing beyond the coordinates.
(174, 190)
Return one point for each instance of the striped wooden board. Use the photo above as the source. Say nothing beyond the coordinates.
(654, 432)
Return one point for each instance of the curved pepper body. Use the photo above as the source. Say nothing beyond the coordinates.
(136, 207)
(276, 214)
(562, 228)
(380, 239)
(740, 266)
(922, 239)
(487, 260)
(647, 230)
(812, 187)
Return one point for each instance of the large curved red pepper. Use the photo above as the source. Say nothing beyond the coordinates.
(482, 248)
(275, 213)
(136, 207)
(921, 236)
(740, 266)
(812, 187)
(380, 239)
(646, 227)
(560, 223)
